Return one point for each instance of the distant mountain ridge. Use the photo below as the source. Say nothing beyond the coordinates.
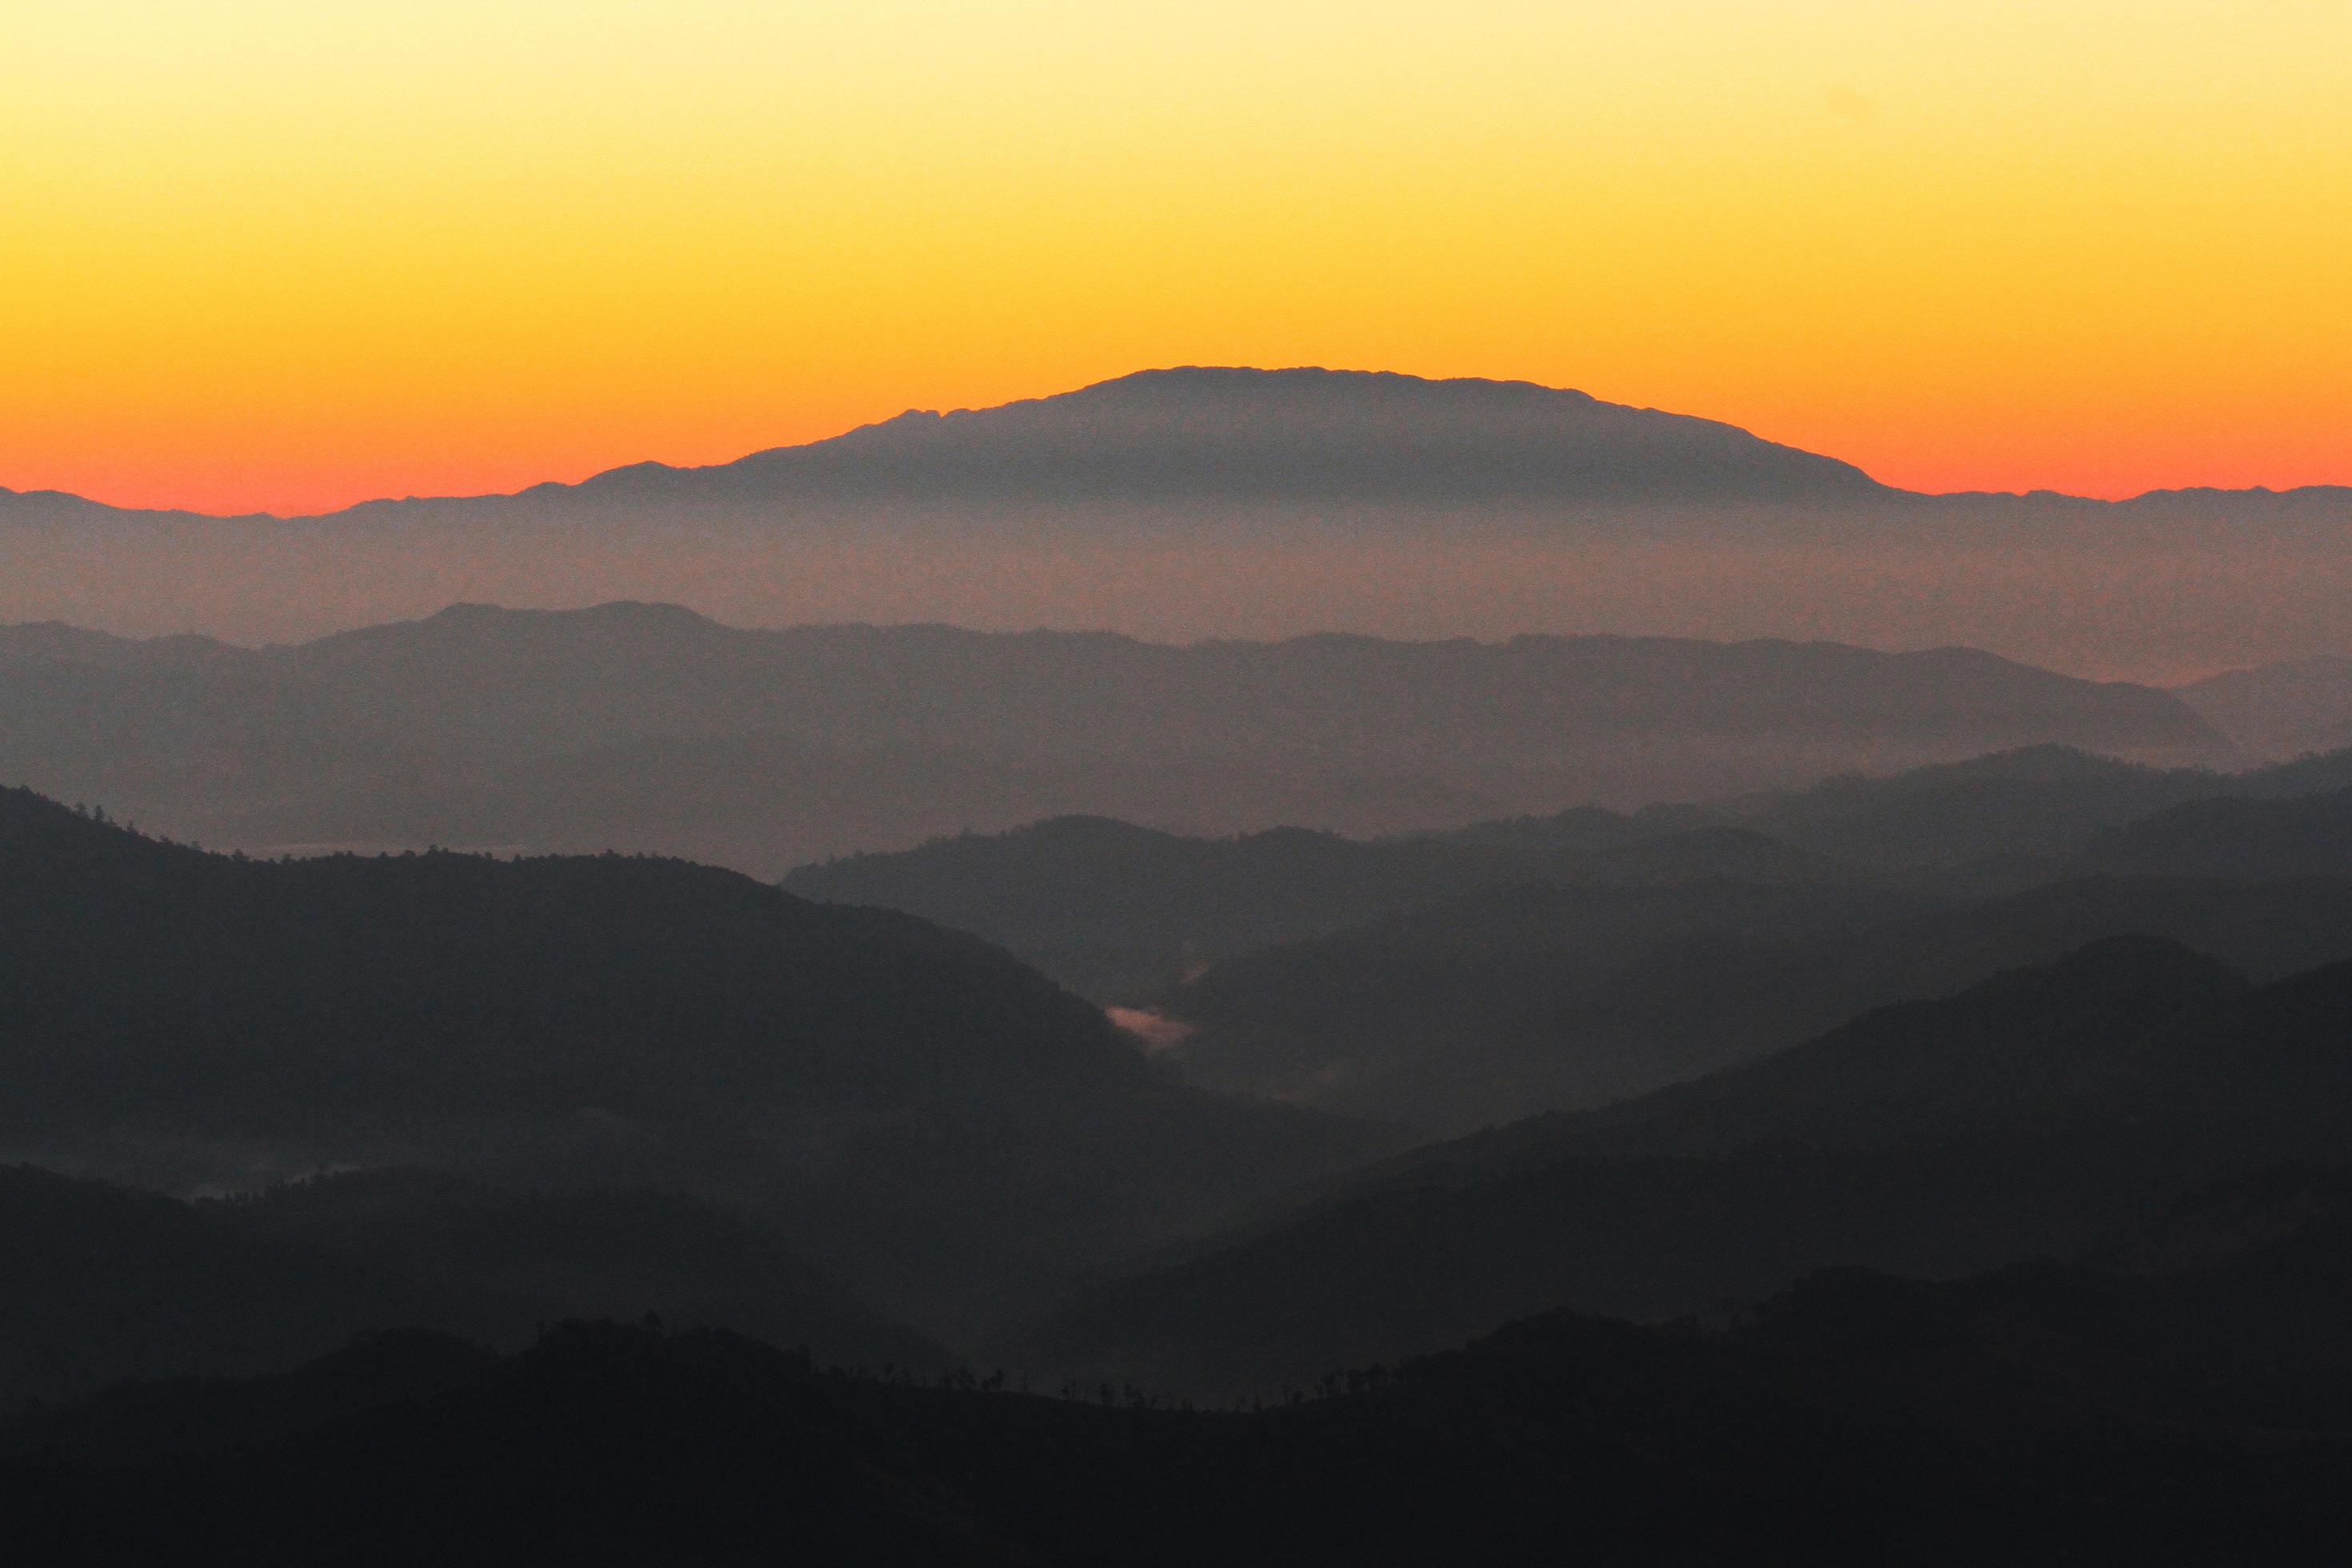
(645, 726)
(1303, 434)
(1277, 434)
(1203, 502)
(1252, 434)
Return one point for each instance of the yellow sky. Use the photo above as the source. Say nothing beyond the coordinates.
(292, 255)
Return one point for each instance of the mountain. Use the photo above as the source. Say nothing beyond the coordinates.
(108, 1283)
(1183, 504)
(1121, 912)
(1306, 436)
(609, 1253)
(1494, 1007)
(939, 1127)
(2014, 813)
(2037, 1114)
(648, 727)
(2036, 1413)
(2298, 836)
(1225, 434)
(1423, 1015)
(2279, 710)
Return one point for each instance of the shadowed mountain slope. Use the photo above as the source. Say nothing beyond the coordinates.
(2033, 1114)
(903, 1097)
(2300, 836)
(602, 1253)
(106, 1283)
(1496, 1006)
(2036, 1413)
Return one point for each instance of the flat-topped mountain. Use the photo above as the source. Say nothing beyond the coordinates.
(1303, 435)
(1223, 502)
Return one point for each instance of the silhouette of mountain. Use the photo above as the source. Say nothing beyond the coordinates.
(2039, 1414)
(646, 726)
(1305, 436)
(1206, 502)
(936, 1123)
(1313, 435)
(109, 1283)
(608, 1253)
(2033, 1114)
(106, 1283)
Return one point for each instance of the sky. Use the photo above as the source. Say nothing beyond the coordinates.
(289, 256)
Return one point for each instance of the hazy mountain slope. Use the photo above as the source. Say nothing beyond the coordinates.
(2299, 835)
(643, 726)
(1121, 912)
(1424, 1015)
(2279, 710)
(928, 1116)
(2018, 812)
(1496, 1007)
(1106, 904)
(2033, 1114)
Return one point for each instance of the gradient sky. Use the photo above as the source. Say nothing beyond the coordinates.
(292, 255)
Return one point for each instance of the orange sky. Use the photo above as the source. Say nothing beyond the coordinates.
(286, 256)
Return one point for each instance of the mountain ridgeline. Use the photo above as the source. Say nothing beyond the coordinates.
(2052, 1111)
(646, 726)
(1221, 502)
(1335, 1062)
(935, 1124)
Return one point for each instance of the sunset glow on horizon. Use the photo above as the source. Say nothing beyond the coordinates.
(275, 256)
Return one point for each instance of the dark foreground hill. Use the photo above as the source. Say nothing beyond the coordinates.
(2033, 1114)
(926, 1115)
(2041, 1414)
(108, 1283)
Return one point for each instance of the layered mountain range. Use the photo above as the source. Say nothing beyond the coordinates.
(1199, 502)
(648, 727)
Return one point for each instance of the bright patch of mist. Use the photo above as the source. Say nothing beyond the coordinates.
(1156, 1030)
